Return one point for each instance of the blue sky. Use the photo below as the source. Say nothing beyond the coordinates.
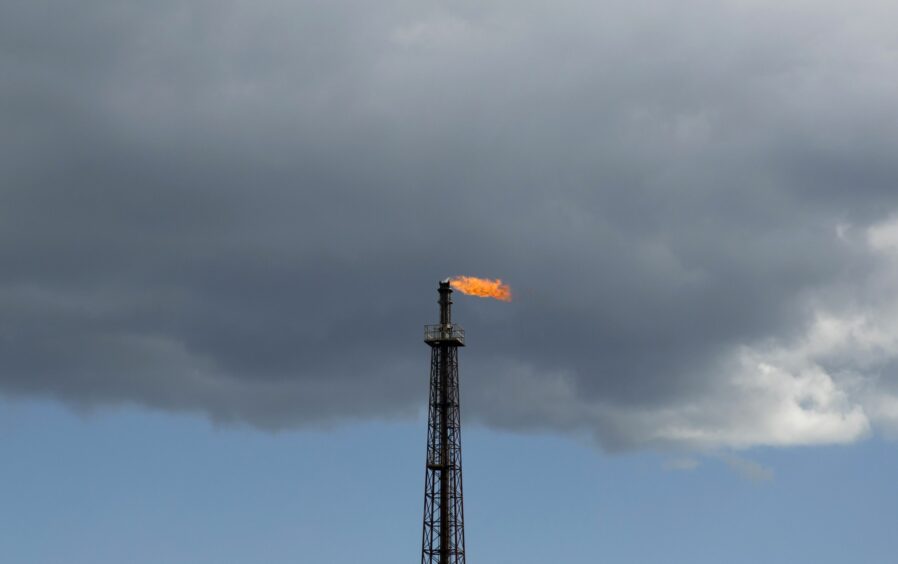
(131, 485)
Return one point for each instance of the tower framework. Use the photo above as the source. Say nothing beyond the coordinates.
(444, 517)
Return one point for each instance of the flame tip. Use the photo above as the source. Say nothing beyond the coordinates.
(481, 287)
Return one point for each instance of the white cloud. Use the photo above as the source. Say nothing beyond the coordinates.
(829, 385)
(748, 469)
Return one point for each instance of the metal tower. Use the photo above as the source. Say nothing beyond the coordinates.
(444, 517)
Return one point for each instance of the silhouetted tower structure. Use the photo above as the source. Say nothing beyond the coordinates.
(444, 516)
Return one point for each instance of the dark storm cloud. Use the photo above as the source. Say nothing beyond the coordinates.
(242, 209)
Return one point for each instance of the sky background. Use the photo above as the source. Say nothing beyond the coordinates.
(222, 225)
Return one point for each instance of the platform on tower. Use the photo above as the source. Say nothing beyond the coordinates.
(449, 334)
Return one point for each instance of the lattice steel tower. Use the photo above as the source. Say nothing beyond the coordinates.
(444, 516)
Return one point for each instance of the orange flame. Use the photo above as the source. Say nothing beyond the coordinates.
(482, 287)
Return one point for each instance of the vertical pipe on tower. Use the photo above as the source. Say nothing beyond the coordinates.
(445, 303)
(445, 320)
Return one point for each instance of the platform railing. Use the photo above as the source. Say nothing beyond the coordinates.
(434, 333)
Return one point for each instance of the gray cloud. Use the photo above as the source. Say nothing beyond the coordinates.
(242, 209)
